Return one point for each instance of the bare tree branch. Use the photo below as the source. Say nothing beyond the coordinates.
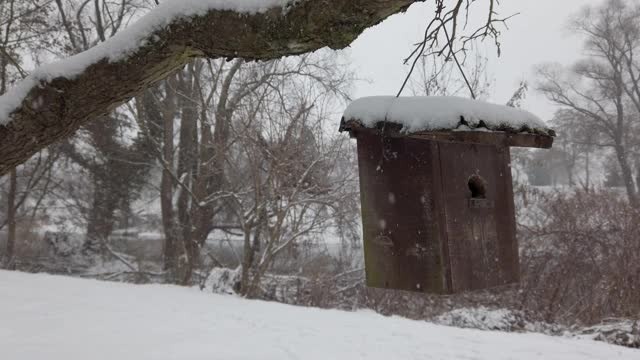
(56, 108)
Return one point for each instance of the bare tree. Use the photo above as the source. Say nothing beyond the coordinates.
(19, 21)
(287, 186)
(115, 161)
(578, 143)
(604, 88)
(206, 99)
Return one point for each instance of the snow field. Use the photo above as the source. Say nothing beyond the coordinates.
(59, 318)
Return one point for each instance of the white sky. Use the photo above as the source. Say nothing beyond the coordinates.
(538, 35)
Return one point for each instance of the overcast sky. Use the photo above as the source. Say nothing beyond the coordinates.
(538, 35)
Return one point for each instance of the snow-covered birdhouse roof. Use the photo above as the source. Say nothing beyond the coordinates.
(440, 113)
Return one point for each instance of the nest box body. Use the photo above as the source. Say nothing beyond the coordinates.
(437, 199)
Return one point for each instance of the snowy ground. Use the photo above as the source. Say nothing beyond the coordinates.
(58, 318)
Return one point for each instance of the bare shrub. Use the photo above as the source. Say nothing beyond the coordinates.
(615, 331)
(580, 257)
(31, 247)
(580, 266)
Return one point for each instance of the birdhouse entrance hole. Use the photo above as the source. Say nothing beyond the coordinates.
(478, 187)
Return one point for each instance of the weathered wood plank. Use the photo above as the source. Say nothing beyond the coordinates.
(400, 214)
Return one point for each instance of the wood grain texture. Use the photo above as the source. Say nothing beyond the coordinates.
(425, 227)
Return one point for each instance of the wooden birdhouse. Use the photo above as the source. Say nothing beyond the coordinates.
(437, 198)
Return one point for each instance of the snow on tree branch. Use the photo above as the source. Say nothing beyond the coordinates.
(57, 99)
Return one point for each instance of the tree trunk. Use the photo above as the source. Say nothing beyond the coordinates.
(100, 223)
(55, 109)
(570, 170)
(11, 217)
(637, 176)
(166, 196)
(187, 167)
(627, 176)
(588, 170)
(248, 254)
(157, 119)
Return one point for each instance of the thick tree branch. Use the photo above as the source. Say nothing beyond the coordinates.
(57, 108)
